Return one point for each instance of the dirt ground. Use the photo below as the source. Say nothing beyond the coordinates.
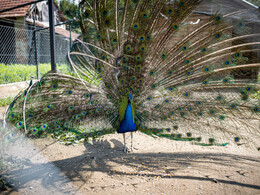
(12, 89)
(158, 166)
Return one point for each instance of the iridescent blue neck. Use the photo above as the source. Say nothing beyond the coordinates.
(127, 124)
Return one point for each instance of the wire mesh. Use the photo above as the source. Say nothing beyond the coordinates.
(18, 47)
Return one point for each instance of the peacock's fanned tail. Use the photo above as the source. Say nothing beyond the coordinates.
(192, 73)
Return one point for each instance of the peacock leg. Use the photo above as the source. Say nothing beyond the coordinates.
(132, 145)
(125, 147)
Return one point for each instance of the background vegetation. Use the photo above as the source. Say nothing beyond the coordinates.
(70, 11)
(20, 72)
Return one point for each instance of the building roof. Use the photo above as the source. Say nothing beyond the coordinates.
(58, 30)
(66, 33)
(19, 12)
(22, 11)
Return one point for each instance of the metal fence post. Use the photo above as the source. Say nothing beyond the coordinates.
(35, 48)
(52, 35)
(70, 37)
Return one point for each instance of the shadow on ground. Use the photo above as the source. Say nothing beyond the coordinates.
(101, 157)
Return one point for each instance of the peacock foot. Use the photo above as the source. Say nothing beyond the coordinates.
(127, 150)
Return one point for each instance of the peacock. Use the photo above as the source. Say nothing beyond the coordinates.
(186, 70)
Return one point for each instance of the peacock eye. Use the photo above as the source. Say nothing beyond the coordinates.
(221, 117)
(218, 18)
(237, 139)
(86, 14)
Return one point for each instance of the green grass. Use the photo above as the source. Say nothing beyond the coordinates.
(20, 72)
(6, 101)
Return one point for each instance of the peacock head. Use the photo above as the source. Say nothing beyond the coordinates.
(130, 98)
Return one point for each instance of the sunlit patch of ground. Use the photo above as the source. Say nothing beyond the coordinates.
(158, 166)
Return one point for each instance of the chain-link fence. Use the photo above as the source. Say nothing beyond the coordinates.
(24, 47)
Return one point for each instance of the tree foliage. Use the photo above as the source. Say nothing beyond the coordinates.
(70, 10)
